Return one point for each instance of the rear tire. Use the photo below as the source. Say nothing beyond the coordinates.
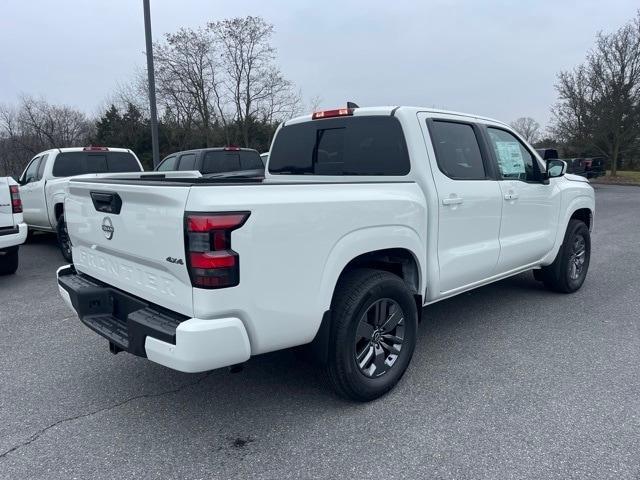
(372, 335)
(9, 262)
(568, 271)
(64, 242)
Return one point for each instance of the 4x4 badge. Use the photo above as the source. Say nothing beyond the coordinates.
(177, 261)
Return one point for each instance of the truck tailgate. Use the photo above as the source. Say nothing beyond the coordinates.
(6, 211)
(132, 237)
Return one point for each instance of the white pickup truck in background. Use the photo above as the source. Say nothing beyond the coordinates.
(44, 181)
(364, 216)
(13, 230)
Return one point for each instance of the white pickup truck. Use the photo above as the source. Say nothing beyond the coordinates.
(44, 182)
(13, 230)
(364, 216)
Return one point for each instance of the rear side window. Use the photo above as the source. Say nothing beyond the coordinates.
(341, 146)
(31, 174)
(219, 161)
(187, 162)
(457, 150)
(69, 164)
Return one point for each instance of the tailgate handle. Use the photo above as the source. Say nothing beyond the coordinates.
(107, 202)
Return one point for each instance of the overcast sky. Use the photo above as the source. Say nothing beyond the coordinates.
(490, 57)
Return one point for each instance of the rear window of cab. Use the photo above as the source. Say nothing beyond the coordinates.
(367, 145)
(68, 164)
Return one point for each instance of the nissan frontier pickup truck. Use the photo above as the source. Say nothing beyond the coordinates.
(363, 217)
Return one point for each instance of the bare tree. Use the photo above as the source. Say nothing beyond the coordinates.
(599, 101)
(528, 128)
(315, 102)
(36, 125)
(188, 79)
(254, 84)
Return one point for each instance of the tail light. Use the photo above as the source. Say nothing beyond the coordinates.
(16, 202)
(211, 261)
(232, 148)
(95, 148)
(339, 112)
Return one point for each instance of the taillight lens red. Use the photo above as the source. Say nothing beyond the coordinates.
(95, 148)
(338, 112)
(211, 261)
(16, 202)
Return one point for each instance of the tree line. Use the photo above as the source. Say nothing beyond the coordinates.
(219, 84)
(215, 85)
(598, 108)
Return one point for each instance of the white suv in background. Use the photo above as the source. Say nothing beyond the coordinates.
(44, 181)
(13, 230)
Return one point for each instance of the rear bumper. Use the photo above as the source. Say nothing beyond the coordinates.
(14, 236)
(138, 327)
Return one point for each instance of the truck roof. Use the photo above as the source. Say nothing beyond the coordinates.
(82, 149)
(390, 109)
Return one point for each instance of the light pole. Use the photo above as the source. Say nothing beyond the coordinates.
(152, 84)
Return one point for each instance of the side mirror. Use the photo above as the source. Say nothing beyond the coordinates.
(556, 168)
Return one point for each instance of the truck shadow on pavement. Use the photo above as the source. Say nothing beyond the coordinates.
(280, 392)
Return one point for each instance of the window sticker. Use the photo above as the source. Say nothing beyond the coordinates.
(510, 158)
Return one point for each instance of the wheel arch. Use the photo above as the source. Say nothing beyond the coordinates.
(582, 208)
(396, 249)
(56, 208)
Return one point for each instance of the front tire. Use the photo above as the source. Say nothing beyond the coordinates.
(568, 271)
(9, 262)
(373, 334)
(64, 242)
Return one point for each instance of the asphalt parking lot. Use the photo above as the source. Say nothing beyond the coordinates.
(508, 381)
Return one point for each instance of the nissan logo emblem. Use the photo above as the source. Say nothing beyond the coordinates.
(107, 228)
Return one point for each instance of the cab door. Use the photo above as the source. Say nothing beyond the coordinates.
(530, 203)
(32, 194)
(469, 202)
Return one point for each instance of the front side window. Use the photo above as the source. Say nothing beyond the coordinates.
(367, 145)
(515, 162)
(31, 173)
(457, 150)
(43, 163)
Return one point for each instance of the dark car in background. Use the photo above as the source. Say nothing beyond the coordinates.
(591, 167)
(211, 161)
(594, 167)
(575, 165)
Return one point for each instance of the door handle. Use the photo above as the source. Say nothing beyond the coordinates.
(452, 201)
(510, 196)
